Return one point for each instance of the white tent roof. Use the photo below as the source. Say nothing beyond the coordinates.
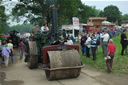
(106, 22)
(126, 25)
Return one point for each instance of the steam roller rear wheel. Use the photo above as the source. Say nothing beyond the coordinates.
(33, 58)
(63, 64)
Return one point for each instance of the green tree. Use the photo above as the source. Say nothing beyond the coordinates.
(101, 14)
(20, 28)
(125, 17)
(66, 10)
(3, 18)
(35, 11)
(75, 8)
(112, 13)
(39, 10)
(86, 12)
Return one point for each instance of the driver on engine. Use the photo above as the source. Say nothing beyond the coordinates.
(44, 28)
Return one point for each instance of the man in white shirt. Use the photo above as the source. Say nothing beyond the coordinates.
(105, 38)
(44, 28)
(69, 42)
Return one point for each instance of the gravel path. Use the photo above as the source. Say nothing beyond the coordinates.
(19, 74)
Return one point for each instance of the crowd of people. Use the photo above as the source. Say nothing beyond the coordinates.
(7, 52)
(90, 43)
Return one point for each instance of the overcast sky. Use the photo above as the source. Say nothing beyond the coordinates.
(100, 4)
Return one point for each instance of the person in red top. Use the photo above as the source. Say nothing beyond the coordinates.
(109, 58)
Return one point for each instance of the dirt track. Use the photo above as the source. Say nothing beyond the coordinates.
(19, 74)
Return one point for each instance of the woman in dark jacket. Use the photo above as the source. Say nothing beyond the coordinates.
(123, 41)
(83, 39)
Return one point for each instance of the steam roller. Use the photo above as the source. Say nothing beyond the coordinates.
(59, 61)
(62, 63)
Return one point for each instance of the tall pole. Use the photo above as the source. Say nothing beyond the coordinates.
(54, 21)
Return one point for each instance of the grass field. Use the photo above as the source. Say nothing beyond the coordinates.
(120, 65)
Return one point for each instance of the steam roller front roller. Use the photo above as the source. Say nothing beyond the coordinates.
(32, 58)
(63, 64)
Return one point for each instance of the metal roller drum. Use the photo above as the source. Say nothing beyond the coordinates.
(63, 64)
(33, 58)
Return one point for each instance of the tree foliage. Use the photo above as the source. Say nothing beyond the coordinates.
(20, 28)
(39, 10)
(101, 14)
(3, 18)
(125, 17)
(86, 12)
(112, 13)
(66, 10)
(33, 10)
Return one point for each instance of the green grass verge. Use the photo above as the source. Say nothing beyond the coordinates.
(120, 65)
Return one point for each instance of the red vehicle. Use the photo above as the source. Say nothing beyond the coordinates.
(6, 36)
(3, 37)
(92, 29)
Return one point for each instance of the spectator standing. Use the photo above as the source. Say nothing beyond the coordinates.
(123, 41)
(101, 39)
(5, 53)
(44, 28)
(105, 38)
(109, 58)
(0, 53)
(82, 41)
(88, 45)
(94, 46)
(72, 38)
(97, 35)
(10, 45)
(21, 48)
(0, 43)
(35, 29)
